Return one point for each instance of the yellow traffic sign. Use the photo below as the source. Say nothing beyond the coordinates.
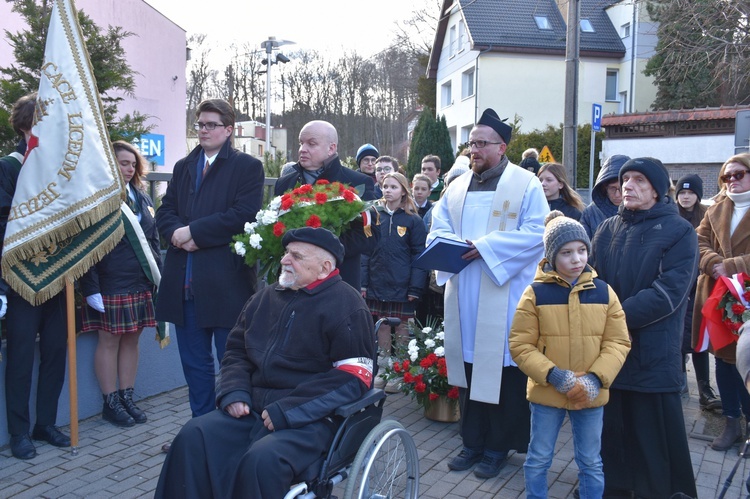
(545, 156)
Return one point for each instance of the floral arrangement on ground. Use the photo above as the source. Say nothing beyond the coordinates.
(331, 205)
(421, 365)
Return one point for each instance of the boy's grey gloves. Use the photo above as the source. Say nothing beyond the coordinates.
(563, 381)
(591, 384)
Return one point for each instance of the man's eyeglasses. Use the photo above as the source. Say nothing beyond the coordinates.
(479, 144)
(368, 161)
(210, 126)
(384, 169)
(734, 176)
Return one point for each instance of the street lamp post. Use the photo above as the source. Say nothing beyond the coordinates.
(271, 44)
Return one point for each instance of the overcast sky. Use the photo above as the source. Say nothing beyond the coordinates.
(327, 25)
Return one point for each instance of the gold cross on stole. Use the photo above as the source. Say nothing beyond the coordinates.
(504, 214)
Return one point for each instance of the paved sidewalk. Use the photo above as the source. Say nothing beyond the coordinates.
(114, 462)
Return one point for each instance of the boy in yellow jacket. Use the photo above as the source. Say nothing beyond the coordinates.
(570, 338)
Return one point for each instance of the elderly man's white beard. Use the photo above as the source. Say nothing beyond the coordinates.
(288, 277)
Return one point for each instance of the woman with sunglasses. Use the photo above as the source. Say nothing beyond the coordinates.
(724, 243)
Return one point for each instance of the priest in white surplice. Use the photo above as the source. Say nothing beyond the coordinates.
(498, 208)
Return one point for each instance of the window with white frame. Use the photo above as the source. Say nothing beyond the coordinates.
(453, 41)
(611, 91)
(625, 30)
(446, 96)
(586, 26)
(467, 83)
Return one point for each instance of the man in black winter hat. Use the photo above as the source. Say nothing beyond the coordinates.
(649, 255)
(299, 350)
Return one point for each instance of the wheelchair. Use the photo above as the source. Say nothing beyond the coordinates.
(378, 459)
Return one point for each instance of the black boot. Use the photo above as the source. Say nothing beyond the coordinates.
(126, 398)
(114, 412)
(708, 399)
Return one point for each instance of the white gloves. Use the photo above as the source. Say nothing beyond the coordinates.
(3, 305)
(96, 302)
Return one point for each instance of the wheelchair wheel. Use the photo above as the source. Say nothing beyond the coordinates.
(386, 465)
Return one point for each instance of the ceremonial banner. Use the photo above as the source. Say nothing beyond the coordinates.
(66, 209)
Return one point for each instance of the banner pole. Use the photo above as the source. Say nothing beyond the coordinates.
(72, 366)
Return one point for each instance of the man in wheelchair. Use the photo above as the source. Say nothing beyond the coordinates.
(299, 350)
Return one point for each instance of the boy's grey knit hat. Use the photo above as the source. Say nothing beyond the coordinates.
(559, 230)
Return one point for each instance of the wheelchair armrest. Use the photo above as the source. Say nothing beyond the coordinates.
(373, 396)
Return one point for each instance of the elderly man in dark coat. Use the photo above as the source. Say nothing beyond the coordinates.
(299, 350)
(319, 160)
(649, 254)
(213, 192)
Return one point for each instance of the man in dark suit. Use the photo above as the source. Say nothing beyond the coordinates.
(319, 160)
(213, 192)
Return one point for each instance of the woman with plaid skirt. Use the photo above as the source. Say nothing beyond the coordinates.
(390, 284)
(119, 291)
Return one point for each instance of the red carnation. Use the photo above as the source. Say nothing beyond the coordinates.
(434, 396)
(341, 187)
(442, 370)
(305, 189)
(408, 377)
(286, 201)
(746, 295)
(348, 196)
(453, 393)
(397, 367)
(429, 361)
(406, 364)
(313, 221)
(420, 387)
(322, 182)
(321, 198)
(278, 229)
(737, 309)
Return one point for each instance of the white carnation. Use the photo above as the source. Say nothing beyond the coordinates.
(250, 227)
(275, 203)
(429, 343)
(426, 330)
(440, 352)
(239, 248)
(269, 217)
(414, 357)
(440, 336)
(412, 344)
(255, 241)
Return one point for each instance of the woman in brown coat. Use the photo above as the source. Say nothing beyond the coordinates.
(724, 243)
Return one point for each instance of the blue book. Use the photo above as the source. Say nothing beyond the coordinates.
(443, 254)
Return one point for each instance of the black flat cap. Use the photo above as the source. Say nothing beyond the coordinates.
(492, 120)
(322, 238)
